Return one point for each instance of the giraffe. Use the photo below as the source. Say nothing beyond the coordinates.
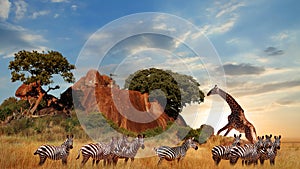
(237, 119)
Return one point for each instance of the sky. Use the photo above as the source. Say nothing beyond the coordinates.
(249, 49)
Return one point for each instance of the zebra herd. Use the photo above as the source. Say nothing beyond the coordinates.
(108, 152)
(249, 153)
(122, 148)
(117, 148)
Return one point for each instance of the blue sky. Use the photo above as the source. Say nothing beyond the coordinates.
(257, 44)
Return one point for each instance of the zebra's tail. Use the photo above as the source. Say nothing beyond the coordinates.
(78, 154)
(36, 152)
(155, 149)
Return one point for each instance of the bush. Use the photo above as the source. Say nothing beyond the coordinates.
(12, 105)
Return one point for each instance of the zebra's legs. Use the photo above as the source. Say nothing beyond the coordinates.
(115, 160)
(84, 160)
(42, 160)
(159, 161)
(233, 161)
(126, 159)
(64, 161)
(272, 161)
(217, 160)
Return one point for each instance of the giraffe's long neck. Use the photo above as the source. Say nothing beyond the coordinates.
(234, 106)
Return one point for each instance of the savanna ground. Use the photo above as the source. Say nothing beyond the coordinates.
(17, 153)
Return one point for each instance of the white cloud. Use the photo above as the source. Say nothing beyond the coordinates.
(21, 9)
(74, 7)
(56, 15)
(39, 13)
(229, 8)
(4, 9)
(59, 1)
(33, 38)
(222, 17)
(18, 38)
(223, 27)
(280, 36)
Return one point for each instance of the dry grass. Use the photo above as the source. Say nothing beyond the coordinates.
(18, 152)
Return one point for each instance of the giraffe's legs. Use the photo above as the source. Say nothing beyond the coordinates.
(227, 126)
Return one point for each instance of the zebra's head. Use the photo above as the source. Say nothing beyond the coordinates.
(237, 139)
(140, 140)
(192, 143)
(69, 142)
(277, 142)
(260, 142)
(114, 142)
(268, 142)
(214, 90)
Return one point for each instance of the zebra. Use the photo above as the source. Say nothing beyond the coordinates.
(249, 153)
(55, 152)
(222, 152)
(97, 151)
(118, 144)
(263, 152)
(272, 152)
(129, 149)
(173, 153)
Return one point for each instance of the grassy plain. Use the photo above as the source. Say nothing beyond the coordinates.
(17, 153)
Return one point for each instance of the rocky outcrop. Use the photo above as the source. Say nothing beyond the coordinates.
(128, 109)
(25, 91)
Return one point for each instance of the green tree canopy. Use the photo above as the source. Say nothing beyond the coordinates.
(29, 67)
(171, 89)
(34, 67)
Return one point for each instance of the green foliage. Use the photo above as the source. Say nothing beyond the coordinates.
(171, 89)
(32, 66)
(12, 105)
(202, 134)
(45, 128)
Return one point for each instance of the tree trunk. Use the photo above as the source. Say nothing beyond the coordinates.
(37, 102)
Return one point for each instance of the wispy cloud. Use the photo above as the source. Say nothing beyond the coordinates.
(20, 37)
(59, 1)
(21, 9)
(229, 8)
(39, 13)
(269, 87)
(224, 15)
(4, 9)
(273, 51)
(241, 69)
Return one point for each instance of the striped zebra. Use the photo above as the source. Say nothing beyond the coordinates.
(272, 152)
(263, 152)
(173, 153)
(222, 152)
(129, 149)
(96, 151)
(249, 153)
(55, 152)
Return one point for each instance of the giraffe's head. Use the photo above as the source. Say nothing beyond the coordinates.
(214, 90)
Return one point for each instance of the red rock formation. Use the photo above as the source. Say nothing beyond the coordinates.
(128, 109)
(25, 91)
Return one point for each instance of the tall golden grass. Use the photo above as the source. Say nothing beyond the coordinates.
(17, 153)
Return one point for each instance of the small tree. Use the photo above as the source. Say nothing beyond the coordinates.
(34, 67)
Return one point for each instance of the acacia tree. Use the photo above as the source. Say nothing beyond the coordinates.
(39, 68)
(171, 89)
